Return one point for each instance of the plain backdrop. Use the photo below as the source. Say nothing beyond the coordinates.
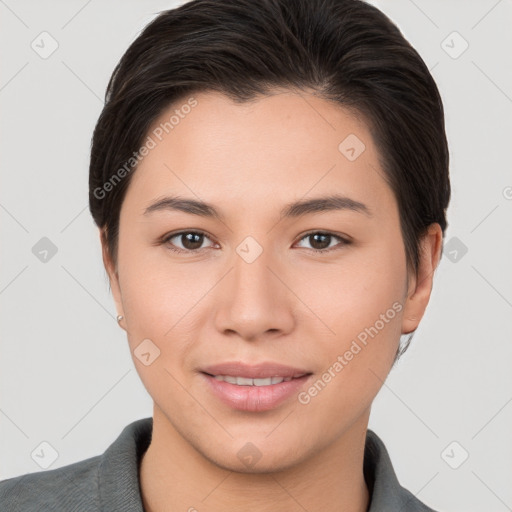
(66, 375)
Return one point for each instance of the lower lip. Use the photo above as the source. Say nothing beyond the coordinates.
(255, 398)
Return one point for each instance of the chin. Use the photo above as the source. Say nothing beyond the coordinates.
(251, 460)
(261, 467)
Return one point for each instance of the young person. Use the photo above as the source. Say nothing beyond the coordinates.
(270, 182)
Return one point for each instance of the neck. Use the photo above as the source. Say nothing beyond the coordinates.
(174, 476)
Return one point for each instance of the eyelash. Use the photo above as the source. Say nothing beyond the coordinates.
(344, 241)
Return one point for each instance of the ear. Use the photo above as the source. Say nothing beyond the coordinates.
(420, 284)
(112, 273)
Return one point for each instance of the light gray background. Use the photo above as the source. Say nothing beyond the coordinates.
(66, 373)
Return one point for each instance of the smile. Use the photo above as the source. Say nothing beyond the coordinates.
(247, 381)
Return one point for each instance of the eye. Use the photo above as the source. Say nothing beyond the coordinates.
(322, 240)
(191, 241)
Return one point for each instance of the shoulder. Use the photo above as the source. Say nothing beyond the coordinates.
(104, 482)
(385, 490)
(412, 504)
(71, 487)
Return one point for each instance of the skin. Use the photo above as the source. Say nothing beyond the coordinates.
(291, 305)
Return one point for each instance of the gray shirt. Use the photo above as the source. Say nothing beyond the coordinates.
(110, 482)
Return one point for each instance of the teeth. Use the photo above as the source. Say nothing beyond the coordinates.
(245, 381)
(264, 382)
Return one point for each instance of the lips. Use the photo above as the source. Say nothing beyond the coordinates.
(254, 388)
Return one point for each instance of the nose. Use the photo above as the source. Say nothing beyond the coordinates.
(254, 301)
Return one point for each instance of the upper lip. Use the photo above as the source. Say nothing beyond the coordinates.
(255, 371)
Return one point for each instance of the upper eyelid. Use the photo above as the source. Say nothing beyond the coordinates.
(167, 237)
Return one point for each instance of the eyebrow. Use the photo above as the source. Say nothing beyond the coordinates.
(290, 210)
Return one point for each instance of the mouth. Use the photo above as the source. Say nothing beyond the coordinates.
(254, 388)
(247, 381)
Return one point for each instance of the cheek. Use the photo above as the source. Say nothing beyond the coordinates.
(157, 303)
(355, 365)
(157, 291)
(170, 304)
(351, 294)
(160, 306)
(361, 301)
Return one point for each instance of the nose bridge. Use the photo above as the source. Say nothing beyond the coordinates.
(252, 279)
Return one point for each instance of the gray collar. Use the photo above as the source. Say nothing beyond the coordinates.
(119, 485)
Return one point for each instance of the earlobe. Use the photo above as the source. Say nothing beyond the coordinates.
(421, 286)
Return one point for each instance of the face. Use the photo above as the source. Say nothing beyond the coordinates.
(253, 289)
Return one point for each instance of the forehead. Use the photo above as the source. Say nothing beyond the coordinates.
(277, 147)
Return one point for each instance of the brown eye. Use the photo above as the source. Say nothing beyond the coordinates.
(186, 241)
(321, 241)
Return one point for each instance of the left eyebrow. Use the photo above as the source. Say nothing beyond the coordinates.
(324, 204)
(294, 209)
